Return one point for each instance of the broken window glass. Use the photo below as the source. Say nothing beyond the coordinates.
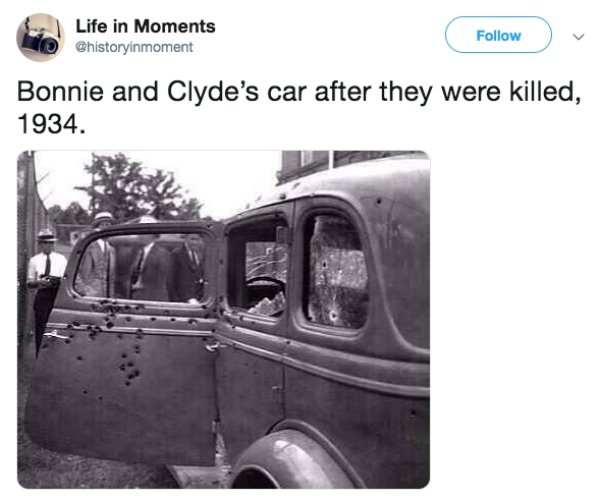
(338, 282)
(258, 269)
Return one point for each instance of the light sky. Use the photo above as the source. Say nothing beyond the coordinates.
(224, 181)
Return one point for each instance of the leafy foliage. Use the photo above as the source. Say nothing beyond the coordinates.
(125, 189)
(73, 214)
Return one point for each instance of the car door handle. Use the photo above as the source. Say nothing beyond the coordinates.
(214, 347)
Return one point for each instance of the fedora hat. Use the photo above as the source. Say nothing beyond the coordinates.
(46, 236)
(103, 216)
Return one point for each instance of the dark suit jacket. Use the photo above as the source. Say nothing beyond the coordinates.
(154, 276)
(187, 279)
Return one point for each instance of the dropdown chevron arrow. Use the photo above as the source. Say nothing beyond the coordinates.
(579, 37)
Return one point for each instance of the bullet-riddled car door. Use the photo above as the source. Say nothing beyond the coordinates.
(127, 376)
(251, 333)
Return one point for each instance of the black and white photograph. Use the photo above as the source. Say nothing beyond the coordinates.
(223, 319)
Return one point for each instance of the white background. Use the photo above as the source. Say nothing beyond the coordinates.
(515, 205)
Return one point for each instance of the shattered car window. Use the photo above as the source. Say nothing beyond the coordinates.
(338, 281)
(266, 268)
(257, 268)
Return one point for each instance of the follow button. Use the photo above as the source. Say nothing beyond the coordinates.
(498, 34)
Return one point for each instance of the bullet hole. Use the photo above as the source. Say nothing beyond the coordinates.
(324, 265)
(107, 318)
(128, 319)
(139, 330)
(85, 392)
(152, 319)
(123, 355)
(93, 306)
(191, 321)
(100, 397)
(76, 324)
(138, 307)
(126, 308)
(69, 326)
(122, 367)
(288, 342)
(127, 383)
(89, 327)
(67, 341)
(173, 319)
(130, 364)
(71, 335)
(120, 336)
(130, 376)
(79, 357)
(137, 349)
(136, 373)
(139, 336)
(209, 226)
(333, 316)
(413, 413)
(109, 325)
(221, 262)
(203, 307)
(378, 201)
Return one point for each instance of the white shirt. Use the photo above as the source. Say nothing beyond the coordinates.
(37, 265)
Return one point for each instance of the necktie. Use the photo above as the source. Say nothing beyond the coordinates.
(47, 268)
(137, 271)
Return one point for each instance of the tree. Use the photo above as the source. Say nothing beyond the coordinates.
(115, 186)
(190, 209)
(74, 214)
(126, 190)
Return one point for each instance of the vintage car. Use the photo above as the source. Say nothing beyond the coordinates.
(307, 350)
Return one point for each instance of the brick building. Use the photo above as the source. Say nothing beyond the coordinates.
(295, 164)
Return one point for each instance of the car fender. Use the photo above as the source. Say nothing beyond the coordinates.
(288, 459)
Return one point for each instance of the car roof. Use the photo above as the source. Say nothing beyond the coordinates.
(385, 176)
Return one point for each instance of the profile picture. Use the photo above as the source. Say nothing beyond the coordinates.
(40, 37)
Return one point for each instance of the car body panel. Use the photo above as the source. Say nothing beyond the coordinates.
(362, 395)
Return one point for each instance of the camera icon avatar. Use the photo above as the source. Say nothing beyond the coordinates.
(40, 37)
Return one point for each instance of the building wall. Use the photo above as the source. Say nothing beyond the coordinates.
(296, 164)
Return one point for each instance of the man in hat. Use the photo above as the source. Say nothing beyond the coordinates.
(150, 269)
(95, 276)
(44, 273)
